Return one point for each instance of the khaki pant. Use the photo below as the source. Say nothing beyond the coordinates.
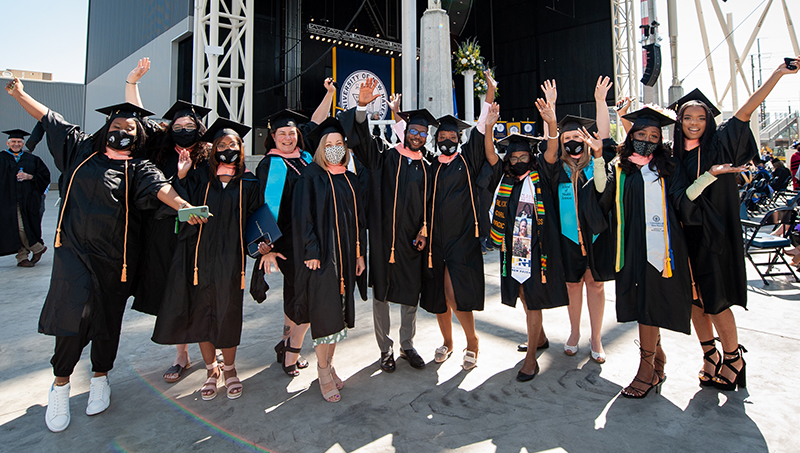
(26, 249)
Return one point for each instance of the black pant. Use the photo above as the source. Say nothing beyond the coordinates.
(68, 350)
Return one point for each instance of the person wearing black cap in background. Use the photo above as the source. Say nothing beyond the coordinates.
(716, 250)
(105, 185)
(454, 281)
(397, 219)
(645, 187)
(24, 178)
(278, 172)
(586, 242)
(205, 288)
(329, 247)
(531, 267)
(167, 145)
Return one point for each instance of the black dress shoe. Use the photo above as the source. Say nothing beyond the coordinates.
(387, 361)
(413, 358)
(522, 377)
(25, 263)
(37, 256)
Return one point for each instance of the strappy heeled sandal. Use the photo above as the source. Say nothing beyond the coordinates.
(739, 376)
(209, 390)
(633, 392)
(706, 379)
(658, 364)
(232, 384)
(336, 380)
(280, 350)
(291, 370)
(325, 378)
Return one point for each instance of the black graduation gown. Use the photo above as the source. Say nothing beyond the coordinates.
(87, 268)
(451, 230)
(716, 249)
(211, 310)
(27, 194)
(643, 294)
(317, 293)
(599, 256)
(538, 295)
(401, 281)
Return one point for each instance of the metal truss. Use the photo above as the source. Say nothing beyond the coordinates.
(625, 73)
(343, 37)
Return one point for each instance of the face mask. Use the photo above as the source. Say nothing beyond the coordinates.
(520, 168)
(334, 154)
(120, 140)
(184, 138)
(448, 147)
(573, 147)
(229, 156)
(644, 148)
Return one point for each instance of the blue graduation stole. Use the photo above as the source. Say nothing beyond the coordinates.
(276, 181)
(566, 204)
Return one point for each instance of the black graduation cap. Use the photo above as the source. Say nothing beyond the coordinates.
(572, 123)
(330, 124)
(518, 142)
(124, 110)
(695, 95)
(16, 133)
(451, 123)
(224, 126)
(182, 108)
(421, 117)
(647, 116)
(284, 118)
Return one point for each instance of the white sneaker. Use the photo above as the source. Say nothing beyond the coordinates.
(57, 415)
(99, 395)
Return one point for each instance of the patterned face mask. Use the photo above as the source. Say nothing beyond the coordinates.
(644, 148)
(334, 154)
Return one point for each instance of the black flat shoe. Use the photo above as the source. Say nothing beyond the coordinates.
(413, 358)
(523, 347)
(522, 377)
(387, 361)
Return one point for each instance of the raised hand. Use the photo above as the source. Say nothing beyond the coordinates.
(394, 102)
(329, 85)
(367, 92)
(593, 142)
(602, 87)
(139, 71)
(15, 86)
(490, 81)
(546, 110)
(184, 163)
(493, 116)
(623, 106)
(549, 89)
(783, 69)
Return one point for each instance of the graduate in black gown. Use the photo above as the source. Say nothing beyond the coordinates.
(24, 178)
(716, 251)
(329, 246)
(398, 195)
(105, 186)
(525, 226)
(167, 144)
(205, 287)
(586, 241)
(454, 281)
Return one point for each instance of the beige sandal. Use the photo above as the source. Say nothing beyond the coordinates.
(232, 383)
(209, 390)
(441, 354)
(325, 378)
(470, 360)
(336, 380)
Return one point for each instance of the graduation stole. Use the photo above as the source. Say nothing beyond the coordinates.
(568, 206)
(276, 180)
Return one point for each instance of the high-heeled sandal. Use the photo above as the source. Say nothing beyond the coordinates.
(280, 350)
(209, 390)
(336, 380)
(706, 379)
(232, 384)
(740, 375)
(632, 392)
(291, 370)
(325, 378)
(658, 364)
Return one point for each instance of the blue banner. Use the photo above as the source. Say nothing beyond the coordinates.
(351, 69)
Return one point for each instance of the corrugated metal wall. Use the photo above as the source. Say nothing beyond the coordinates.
(64, 98)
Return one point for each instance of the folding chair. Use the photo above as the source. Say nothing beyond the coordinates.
(762, 243)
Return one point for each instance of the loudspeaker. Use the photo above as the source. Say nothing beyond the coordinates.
(653, 65)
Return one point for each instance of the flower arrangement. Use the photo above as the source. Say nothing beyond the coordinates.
(468, 57)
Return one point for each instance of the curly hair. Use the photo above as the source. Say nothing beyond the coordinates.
(705, 139)
(661, 162)
(162, 144)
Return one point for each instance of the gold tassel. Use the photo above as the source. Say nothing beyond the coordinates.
(58, 238)
(477, 232)
(358, 249)
(242, 279)
(391, 256)
(195, 276)
(695, 296)
(124, 273)
(424, 231)
(667, 272)
(544, 279)
(430, 260)
(583, 249)
(341, 286)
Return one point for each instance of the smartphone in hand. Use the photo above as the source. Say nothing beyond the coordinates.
(186, 213)
(790, 63)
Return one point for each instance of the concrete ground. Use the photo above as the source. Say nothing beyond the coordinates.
(573, 405)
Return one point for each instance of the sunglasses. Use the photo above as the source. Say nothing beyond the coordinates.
(416, 132)
(523, 159)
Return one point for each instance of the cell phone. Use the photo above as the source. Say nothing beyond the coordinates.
(186, 213)
(790, 63)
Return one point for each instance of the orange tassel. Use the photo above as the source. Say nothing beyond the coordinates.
(124, 273)
(477, 232)
(341, 286)
(58, 238)
(424, 231)
(391, 256)
(195, 276)
(695, 296)
(544, 279)
(358, 249)
(583, 249)
(430, 260)
(667, 272)
(242, 280)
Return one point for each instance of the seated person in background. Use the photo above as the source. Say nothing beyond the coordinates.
(780, 176)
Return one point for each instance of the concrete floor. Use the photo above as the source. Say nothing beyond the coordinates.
(573, 405)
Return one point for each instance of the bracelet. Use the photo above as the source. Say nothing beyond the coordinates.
(132, 83)
(361, 109)
(185, 203)
(552, 138)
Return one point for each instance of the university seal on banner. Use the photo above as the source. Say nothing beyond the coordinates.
(348, 95)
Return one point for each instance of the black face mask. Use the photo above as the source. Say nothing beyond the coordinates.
(520, 168)
(120, 140)
(229, 156)
(573, 147)
(644, 148)
(184, 138)
(448, 147)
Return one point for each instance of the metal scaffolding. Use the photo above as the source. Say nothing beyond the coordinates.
(626, 81)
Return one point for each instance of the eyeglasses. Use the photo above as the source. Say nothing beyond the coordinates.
(416, 132)
(188, 128)
(224, 146)
(524, 159)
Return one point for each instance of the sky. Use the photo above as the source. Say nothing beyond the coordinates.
(57, 44)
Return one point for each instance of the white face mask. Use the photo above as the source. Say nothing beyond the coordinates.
(335, 154)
